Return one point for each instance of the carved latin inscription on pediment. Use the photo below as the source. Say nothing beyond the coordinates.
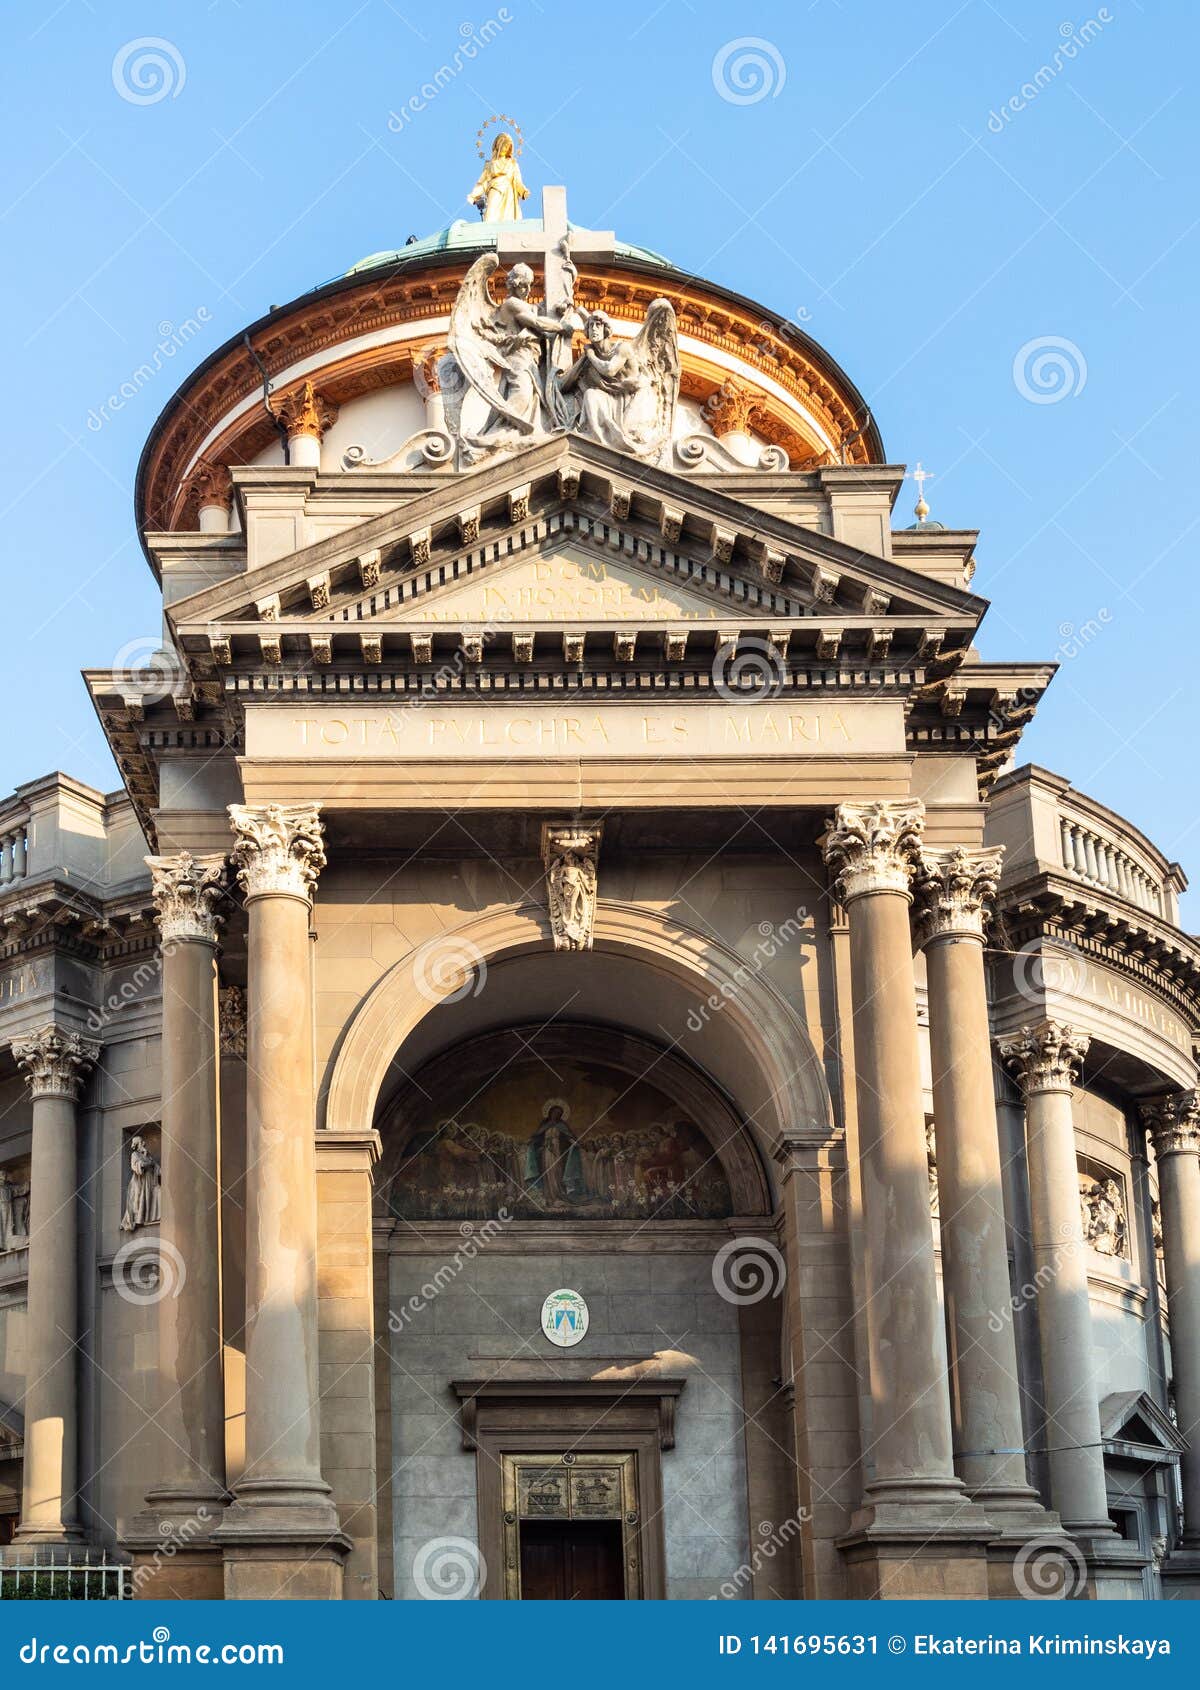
(558, 587)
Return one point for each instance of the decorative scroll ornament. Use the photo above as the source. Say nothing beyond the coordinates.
(55, 1062)
(1173, 1122)
(570, 855)
(955, 891)
(1102, 1210)
(278, 848)
(231, 1020)
(872, 847)
(1046, 1057)
(188, 892)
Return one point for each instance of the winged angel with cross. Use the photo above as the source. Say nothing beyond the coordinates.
(509, 378)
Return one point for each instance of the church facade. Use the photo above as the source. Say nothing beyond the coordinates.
(578, 1063)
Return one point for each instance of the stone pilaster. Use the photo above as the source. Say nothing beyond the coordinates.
(917, 1534)
(954, 893)
(1174, 1126)
(281, 1535)
(55, 1063)
(186, 1501)
(1046, 1059)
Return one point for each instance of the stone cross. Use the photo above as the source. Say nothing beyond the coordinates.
(545, 246)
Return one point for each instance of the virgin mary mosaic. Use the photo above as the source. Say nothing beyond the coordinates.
(605, 1147)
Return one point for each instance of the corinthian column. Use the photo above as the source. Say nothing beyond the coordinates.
(281, 1535)
(1046, 1060)
(1174, 1124)
(871, 848)
(954, 893)
(54, 1063)
(187, 1499)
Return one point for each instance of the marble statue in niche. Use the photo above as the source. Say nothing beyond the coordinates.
(14, 1212)
(1105, 1223)
(571, 858)
(603, 1149)
(143, 1194)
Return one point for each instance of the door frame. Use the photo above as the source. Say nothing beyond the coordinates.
(549, 1418)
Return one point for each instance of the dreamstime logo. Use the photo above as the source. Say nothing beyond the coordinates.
(449, 968)
(148, 70)
(748, 1270)
(1049, 965)
(1048, 369)
(1049, 1569)
(474, 1238)
(472, 41)
(772, 939)
(773, 1539)
(1067, 1246)
(178, 1534)
(449, 1569)
(748, 70)
(172, 338)
(156, 672)
(1072, 41)
(145, 1273)
(752, 669)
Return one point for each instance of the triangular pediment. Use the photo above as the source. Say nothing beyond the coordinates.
(697, 546)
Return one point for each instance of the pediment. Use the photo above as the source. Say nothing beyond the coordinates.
(696, 544)
(1133, 1424)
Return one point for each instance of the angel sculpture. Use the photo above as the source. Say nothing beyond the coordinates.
(623, 392)
(505, 356)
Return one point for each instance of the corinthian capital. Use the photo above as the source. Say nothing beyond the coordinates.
(305, 411)
(1046, 1057)
(187, 894)
(954, 891)
(277, 848)
(1173, 1122)
(54, 1061)
(872, 847)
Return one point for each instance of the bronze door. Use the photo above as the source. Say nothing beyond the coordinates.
(571, 1561)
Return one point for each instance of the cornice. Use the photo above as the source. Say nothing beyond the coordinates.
(1161, 959)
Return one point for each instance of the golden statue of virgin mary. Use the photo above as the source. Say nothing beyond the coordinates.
(499, 190)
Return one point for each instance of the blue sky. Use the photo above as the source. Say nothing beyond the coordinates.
(1009, 279)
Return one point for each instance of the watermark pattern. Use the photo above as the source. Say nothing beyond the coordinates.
(748, 1270)
(172, 338)
(474, 1238)
(449, 968)
(1048, 369)
(772, 938)
(1049, 1569)
(176, 1535)
(449, 1569)
(750, 670)
(774, 1538)
(146, 1271)
(1048, 965)
(148, 70)
(748, 70)
(1071, 44)
(471, 44)
(144, 978)
(156, 672)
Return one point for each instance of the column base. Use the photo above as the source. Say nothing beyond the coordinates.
(1030, 1555)
(1115, 1568)
(35, 1537)
(926, 1541)
(171, 1542)
(283, 1552)
(1181, 1574)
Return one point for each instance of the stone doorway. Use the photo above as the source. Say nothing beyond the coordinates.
(571, 1527)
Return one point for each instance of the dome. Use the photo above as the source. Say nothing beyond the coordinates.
(471, 235)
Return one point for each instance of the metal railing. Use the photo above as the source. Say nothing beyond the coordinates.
(64, 1581)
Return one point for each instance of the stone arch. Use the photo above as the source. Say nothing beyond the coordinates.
(747, 1037)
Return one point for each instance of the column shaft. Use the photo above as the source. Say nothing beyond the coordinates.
(54, 1061)
(192, 1405)
(49, 1507)
(1179, 1197)
(283, 1450)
